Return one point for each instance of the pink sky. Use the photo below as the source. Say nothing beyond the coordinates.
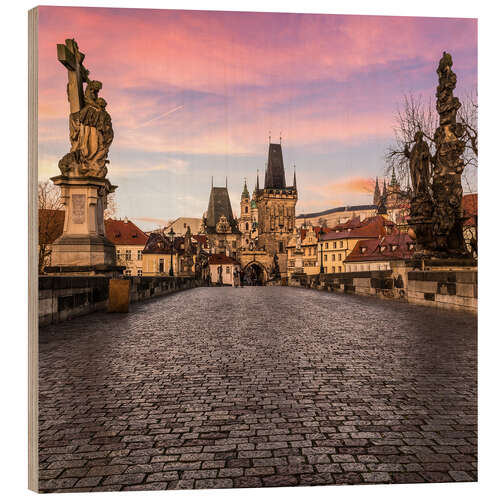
(194, 94)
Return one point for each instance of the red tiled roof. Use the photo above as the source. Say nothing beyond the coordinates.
(394, 246)
(160, 244)
(124, 232)
(201, 239)
(220, 258)
(371, 227)
(50, 225)
(351, 223)
(469, 206)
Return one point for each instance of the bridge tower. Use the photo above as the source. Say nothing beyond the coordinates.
(276, 207)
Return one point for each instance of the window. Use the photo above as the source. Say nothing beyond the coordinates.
(139, 272)
(128, 254)
(118, 254)
(246, 211)
(161, 266)
(326, 257)
(341, 244)
(340, 269)
(128, 272)
(281, 247)
(326, 246)
(234, 244)
(334, 244)
(228, 270)
(139, 254)
(246, 226)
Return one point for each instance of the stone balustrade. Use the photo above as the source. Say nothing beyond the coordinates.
(65, 297)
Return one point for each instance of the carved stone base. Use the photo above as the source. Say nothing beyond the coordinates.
(83, 247)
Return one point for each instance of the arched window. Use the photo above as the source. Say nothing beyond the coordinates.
(246, 209)
(246, 226)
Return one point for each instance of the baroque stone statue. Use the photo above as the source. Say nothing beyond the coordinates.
(448, 164)
(436, 206)
(90, 128)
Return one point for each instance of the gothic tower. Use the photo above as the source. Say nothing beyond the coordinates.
(245, 221)
(276, 206)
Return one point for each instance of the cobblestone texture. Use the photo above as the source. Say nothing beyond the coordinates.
(222, 388)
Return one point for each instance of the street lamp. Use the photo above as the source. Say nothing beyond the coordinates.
(171, 234)
(321, 269)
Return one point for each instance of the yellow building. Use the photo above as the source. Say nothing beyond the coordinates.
(334, 246)
(309, 246)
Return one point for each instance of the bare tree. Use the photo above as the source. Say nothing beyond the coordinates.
(112, 207)
(416, 114)
(50, 220)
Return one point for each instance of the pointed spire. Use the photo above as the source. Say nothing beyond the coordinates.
(384, 192)
(257, 183)
(294, 179)
(212, 181)
(376, 193)
(393, 178)
(245, 194)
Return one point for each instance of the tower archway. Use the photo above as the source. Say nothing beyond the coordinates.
(255, 274)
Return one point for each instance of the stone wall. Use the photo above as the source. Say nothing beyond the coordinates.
(448, 289)
(64, 297)
(375, 283)
(444, 289)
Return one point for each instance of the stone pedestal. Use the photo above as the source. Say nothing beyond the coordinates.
(83, 248)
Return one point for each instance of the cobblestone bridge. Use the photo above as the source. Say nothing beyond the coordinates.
(221, 387)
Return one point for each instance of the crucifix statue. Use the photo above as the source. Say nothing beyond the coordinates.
(91, 132)
(70, 57)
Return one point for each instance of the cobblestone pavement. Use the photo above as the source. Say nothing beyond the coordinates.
(220, 388)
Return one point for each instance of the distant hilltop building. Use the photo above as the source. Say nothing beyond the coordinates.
(391, 201)
(180, 225)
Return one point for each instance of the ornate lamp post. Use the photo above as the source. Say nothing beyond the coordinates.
(171, 234)
(321, 269)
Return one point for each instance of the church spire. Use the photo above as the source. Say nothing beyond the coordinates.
(393, 178)
(294, 179)
(384, 192)
(275, 171)
(245, 193)
(376, 193)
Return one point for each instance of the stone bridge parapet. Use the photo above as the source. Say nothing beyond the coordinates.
(446, 289)
(65, 297)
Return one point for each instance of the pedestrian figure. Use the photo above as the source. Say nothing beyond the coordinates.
(219, 278)
(236, 278)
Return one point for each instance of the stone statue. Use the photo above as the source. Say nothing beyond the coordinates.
(420, 172)
(90, 128)
(448, 165)
(436, 206)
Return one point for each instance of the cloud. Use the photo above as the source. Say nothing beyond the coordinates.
(173, 165)
(355, 185)
(210, 85)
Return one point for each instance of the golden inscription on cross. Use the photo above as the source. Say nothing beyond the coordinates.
(70, 57)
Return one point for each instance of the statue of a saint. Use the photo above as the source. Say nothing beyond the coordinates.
(420, 171)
